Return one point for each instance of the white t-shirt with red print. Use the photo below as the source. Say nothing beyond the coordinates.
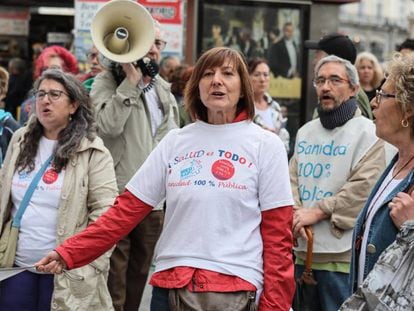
(37, 234)
(217, 179)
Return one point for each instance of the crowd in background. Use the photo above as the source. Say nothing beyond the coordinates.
(88, 134)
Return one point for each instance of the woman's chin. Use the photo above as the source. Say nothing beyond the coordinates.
(379, 133)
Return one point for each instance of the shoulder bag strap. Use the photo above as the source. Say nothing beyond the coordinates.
(29, 192)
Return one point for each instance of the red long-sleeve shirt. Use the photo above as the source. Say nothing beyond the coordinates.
(128, 211)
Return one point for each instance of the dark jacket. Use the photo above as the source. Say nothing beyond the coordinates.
(279, 61)
(382, 231)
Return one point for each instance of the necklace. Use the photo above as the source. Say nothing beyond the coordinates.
(358, 240)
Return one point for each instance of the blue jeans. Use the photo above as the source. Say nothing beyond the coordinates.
(332, 287)
(159, 300)
(26, 291)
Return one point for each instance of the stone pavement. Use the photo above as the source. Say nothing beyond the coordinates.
(146, 299)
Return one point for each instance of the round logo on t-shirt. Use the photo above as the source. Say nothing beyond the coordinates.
(222, 169)
(50, 176)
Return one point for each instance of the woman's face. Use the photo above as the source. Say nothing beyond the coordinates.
(53, 113)
(260, 79)
(216, 30)
(54, 62)
(220, 88)
(366, 71)
(387, 113)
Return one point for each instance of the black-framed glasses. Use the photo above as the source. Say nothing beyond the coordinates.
(92, 55)
(52, 94)
(332, 80)
(379, 95)
(160, 44)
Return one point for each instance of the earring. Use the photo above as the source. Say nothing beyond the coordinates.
(404, 123)
(70, 117)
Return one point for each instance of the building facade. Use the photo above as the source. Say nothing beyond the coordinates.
(377, 26)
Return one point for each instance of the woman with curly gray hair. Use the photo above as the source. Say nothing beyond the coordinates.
(390, 202)
(77, 185)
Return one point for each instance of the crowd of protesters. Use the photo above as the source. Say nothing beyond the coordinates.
(115, 170)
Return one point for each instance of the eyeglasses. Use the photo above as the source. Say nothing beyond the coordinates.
(160, 44)
(379, 95)
(52, 94)
(92, 55)
(333, 80)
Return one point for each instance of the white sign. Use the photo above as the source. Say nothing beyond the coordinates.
(14, 22)
(84, 13)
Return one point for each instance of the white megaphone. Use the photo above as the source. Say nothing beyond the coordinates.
(122, 31)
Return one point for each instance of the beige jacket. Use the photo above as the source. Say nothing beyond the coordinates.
(124, 121)
(89, 188)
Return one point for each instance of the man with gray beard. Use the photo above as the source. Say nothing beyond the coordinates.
(336, 162)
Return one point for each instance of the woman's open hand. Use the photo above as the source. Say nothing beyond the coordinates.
(51, 263)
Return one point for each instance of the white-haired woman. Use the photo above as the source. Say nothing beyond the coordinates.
(370, 73)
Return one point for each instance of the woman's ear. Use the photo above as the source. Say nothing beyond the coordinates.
(355, 89)
(75, 106)
(409, 114)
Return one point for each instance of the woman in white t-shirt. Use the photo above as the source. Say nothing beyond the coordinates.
(227, 231)
(77, 186)
(268, 113)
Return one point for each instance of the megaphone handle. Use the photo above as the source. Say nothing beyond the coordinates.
(147, 67)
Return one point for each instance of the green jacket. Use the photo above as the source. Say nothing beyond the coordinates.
(124, 122)
(89, 189)
(363, 104)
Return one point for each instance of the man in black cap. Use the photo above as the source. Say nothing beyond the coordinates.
(406, 47)
(343, 47)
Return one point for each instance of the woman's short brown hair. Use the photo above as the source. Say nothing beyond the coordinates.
(4, 82)
(254, 62)
(216, 57)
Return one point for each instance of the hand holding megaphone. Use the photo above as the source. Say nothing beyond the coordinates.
(132, 73)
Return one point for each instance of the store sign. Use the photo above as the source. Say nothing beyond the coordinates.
(14, 22)
(59, 38)
(166, 12)
(169, 14)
